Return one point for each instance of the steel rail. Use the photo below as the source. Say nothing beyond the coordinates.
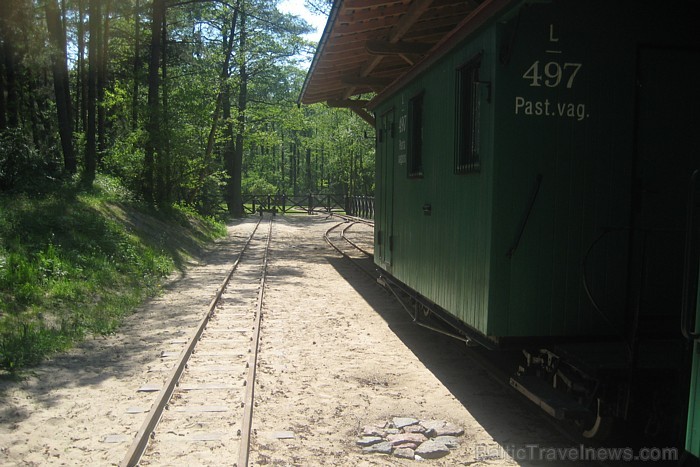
(343, 216)
(244, 450)
(138, 446)
(342, 235)
(344, 254)
(328, 240)
(355, 219)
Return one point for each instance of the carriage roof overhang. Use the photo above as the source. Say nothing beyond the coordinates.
(373, 47)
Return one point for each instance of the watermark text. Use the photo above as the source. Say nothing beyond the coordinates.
(536, 452)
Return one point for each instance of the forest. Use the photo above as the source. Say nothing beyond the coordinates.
(191, 102)
(130, 131)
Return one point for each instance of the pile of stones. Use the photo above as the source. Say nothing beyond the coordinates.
(410, 438)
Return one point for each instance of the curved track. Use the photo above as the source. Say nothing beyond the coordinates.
(360, 255)
(206, 401)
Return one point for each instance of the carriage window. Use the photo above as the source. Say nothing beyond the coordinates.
(415, 136)
(468, 105)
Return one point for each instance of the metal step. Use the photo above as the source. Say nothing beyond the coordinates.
(550, 400)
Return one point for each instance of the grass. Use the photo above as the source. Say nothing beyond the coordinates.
(75, 263)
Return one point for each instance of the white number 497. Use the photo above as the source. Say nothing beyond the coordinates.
(552, 74)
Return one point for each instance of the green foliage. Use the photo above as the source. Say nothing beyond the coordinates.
(29, 344)
(257, 185)
(286, 149)
(124, 160)
(73, 263)
(75, 260)
(22, 167)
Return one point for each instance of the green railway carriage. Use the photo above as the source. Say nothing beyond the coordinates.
(515, 175)
(537, 187)
(532, 182)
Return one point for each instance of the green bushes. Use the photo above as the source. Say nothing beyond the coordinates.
(21, 166)
(29, 344)
(75, 263)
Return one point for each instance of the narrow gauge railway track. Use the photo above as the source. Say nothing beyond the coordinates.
(359, 256)
(206, 402)
(353, 243)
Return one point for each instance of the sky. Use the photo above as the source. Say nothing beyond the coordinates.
(297, 7)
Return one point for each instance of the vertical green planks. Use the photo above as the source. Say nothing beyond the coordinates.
(511, 249)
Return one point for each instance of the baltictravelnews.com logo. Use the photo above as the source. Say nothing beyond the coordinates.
(536, 452)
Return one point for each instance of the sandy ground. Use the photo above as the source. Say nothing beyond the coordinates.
(337, 353)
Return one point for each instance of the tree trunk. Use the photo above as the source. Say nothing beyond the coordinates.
(225, 74)
(3, 103)
(229, 150)
(10, 64)
(163, 165)
(93, 65)
(283, 184)
(60, 83)
(153, 126)
(32, 107)
(81, 88)
(224, 88)
(309, 182)
(234, 198)
(295, 168)
(137, 67)
(102, 83)
(323, 169)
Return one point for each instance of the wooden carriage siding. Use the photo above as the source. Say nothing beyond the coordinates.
(558, 134)
(359, 206)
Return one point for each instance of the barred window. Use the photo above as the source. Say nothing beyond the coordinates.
(468, 107)
(415, 136)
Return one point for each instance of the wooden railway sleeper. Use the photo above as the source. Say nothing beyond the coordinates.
(162, 402)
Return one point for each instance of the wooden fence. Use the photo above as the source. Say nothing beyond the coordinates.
(360, 206)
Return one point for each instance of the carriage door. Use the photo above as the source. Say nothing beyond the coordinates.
(385, 191)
